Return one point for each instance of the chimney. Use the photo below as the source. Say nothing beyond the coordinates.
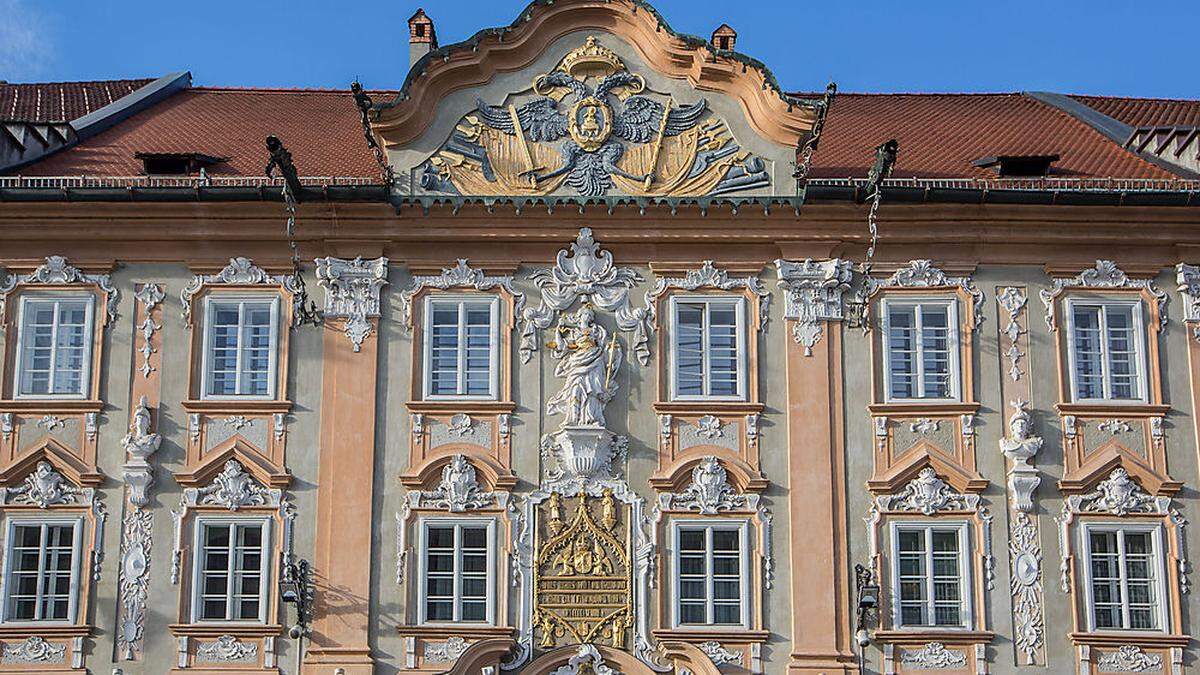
(421, 37)
(724, 37)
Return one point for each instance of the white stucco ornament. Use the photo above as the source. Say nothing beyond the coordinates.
(140, 443)
(813, 292)
(587, 661)
(352, 289)
(1019, 447)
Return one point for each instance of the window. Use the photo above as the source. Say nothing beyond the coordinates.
(461, 358)
(240, 347)
(1105, 351)
(41, 578)
(921, 343)
(55, 346)
(1124, 573)
(708, 346)
(929, 575)
(231, 570)
(710, 574)
(457, 571)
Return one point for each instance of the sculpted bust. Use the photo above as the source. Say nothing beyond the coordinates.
(1021, 445)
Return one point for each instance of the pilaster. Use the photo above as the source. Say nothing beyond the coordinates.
(820, 582)
(341, 569)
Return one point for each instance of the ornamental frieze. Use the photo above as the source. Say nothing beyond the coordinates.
(591, 127)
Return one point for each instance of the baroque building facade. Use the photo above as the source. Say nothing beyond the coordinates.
(593, 364)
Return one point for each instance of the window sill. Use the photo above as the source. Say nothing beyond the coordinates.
(1132, 408)
(17, 629)
(932, 407)
(217, 628)
(708, 405)
(956, 636)
(1140, 638)
(467, 405)
(255, 405)
(462, 629)
(64, 405)
(704, 634)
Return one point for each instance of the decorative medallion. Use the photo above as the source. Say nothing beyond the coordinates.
(1025, 554)
(583, 584)
(44, 488)
(928, 494)
(616, 133)
(459, 490)
(233, 489)
(134, 583)
(709, 492)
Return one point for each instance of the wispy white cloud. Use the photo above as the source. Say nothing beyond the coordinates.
(24, 41)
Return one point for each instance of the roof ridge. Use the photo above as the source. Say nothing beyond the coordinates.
(283, 90)
(1137, 98)
(911, 93)
(75, 82)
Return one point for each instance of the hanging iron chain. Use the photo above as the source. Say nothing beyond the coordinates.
(304, 309)
(804, 166)
(364, 103)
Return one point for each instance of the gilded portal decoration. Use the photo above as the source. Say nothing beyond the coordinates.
(583, 581)
(588, 127)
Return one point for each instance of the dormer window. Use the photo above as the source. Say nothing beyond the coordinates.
(1018, 166)
(176, 163)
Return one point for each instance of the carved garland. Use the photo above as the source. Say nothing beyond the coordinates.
(462, 275)
(239, 271)
(587, 274)
(1105, 274)
(1013, 300)
(352, 290)
(55, 271)
(150, 295)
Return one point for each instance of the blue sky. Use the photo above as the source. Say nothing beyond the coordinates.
(1074, 46)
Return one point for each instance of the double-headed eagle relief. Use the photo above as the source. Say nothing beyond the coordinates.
(592, 127)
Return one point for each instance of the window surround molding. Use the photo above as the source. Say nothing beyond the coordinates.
(51, 493)
(708, 283)
(954, 345)
(707, 497)
(744, 361)
(1160, 568)
(928, 499)
(239, 491)
(452, 491)
(745, 565)
(494, 588)
(57, 278)
(273, 363)
(1069, 304)
(266, 569)
(965, 579)
(494, 356)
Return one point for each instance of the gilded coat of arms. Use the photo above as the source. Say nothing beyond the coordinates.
(592, 126)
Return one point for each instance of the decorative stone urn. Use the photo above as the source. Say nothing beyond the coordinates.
(584, 452)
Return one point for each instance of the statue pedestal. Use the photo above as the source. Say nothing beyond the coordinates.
(584, 452)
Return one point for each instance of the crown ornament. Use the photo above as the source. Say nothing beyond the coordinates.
(591, 60)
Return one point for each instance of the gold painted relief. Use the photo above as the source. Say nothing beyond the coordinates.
(583, 583)
(591, 126)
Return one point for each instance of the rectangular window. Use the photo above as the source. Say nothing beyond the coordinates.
(708, 348)
(461, 356)
(929, 575)
(457, 575)
(42, 575)
(1124, 573)
(1106, 351)
(921, 344)
(240, 347)
(55, 345)
(710, 574)
(231, 570)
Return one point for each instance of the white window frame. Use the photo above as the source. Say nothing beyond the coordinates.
(423, 525)
(10, 525)
(965, 582)
(1139, 339)
(1160, 572)
(494, 349)
(85, 381)
(743, 357)
(265, 583)
(742, 526)
(954, 343)
(206, 359)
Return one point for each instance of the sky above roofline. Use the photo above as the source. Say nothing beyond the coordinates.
(1073, 46)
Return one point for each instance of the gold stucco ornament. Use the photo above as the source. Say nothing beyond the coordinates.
(583, 586)
(591, 127)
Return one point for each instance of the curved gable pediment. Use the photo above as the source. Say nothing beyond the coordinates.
(592, 99)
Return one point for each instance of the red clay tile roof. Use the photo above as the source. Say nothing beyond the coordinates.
(320, 127)
(1146, 112)
(941, 134)
(61, 101)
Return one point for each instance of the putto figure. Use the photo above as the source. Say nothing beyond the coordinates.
(588, 360)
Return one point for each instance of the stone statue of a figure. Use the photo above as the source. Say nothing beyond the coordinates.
(587, 363)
